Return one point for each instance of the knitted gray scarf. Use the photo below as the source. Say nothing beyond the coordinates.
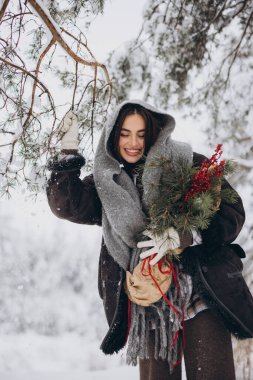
(123, 221)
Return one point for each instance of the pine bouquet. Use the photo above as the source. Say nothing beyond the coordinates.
(189, 196)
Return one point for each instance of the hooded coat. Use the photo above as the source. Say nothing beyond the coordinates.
(215, 265)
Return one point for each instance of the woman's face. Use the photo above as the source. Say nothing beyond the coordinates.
(132, 137)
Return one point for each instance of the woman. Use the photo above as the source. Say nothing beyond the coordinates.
(209, 271)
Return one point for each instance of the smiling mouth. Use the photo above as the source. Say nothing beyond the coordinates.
(133, 152)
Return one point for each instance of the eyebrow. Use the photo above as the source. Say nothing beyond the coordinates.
(128, 130)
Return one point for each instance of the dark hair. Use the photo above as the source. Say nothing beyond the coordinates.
(154, 122)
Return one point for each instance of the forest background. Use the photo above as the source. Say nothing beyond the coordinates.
(193, 59)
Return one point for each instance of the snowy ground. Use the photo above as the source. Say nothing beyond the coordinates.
(31, 356)
(66, 357)
(124, 373)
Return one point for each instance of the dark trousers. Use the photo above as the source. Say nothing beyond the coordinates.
(208, 353)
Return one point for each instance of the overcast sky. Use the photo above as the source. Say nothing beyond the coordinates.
(120, 22)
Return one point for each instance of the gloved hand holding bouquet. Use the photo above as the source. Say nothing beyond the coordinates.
(189, 200)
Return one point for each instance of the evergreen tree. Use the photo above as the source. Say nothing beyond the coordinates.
(46, 68)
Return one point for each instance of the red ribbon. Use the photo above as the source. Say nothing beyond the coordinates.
(174, 274)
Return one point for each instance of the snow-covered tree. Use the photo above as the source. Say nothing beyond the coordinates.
(196, 57)
(182, 42)
(48, 284)
(46, 68)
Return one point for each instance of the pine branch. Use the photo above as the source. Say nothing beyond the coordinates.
(26, 123)
(170, 208)
(29, 74)
(31, 141)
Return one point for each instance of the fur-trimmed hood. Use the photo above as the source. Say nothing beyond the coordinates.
(167, 129)
(123, 216)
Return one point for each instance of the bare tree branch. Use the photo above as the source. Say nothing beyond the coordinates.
(65, 46)
(79, 41)
(3, 9)
(42, 56)
(75, 86)
(237, 48)
(93, 101)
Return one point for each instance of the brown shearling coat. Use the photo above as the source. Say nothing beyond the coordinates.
(215, 264)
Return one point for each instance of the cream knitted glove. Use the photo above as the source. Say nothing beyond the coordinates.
(68, 129)
(162, 244)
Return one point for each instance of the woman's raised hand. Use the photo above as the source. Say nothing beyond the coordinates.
(68, 130)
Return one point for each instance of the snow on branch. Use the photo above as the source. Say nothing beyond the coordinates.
(247, 164)
(46, 68)
(56, 33)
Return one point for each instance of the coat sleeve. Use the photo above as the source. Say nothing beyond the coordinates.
(226, 223)
(71, 198)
